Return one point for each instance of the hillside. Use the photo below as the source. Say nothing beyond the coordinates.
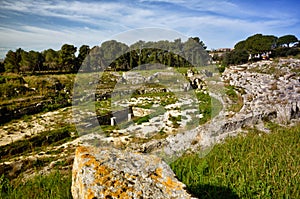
(246, 98)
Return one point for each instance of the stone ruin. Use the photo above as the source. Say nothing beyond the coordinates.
(111, 173)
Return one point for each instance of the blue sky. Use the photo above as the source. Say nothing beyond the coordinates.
(39, 25)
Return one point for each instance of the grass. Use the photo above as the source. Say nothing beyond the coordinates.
(204, 106)
(142, 119)
(236, 98)
(268, 69)
(33, 94)
(255, 165)
(37, 143)
(216, 107)
(56, 185)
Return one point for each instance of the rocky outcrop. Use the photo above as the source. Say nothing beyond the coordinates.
(111, 173)
(266, 96)
(269, 87)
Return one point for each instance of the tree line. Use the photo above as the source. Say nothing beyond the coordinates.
(258, 46)
(63, 60)
(118, 56)
(111, 55)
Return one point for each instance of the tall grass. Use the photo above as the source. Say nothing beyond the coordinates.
(56, 185)
(255, 165)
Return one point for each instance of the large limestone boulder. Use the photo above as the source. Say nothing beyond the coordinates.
(111, 173)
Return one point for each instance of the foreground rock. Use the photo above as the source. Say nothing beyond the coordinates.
(111, 173)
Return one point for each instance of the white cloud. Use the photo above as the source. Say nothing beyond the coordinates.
(36, 38)
(87, 12)
(218, 23)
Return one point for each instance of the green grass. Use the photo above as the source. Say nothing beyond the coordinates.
(236, 98)
(56, 185)
(33, 94)
(255, 165)
(142, 119)
(216, 107)
(38, 142)
(204, 106)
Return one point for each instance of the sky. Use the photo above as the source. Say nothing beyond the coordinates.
(40, 25)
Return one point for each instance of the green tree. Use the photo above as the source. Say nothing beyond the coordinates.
(112, 50)
(12, 61)
(31, 61)
(95, 60)
(197, 39)
(194, 51)
(286, 40)
(259, 43)
(84, 50)
(25, 62)
(2, 69)
(67, 58)
(36, 60)
(51, 59)
(236, 56)
(240, 45)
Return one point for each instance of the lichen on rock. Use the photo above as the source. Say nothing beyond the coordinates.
(112, 173)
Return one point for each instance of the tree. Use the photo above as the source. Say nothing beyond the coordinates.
(199, 42)
(84, 50)
(236, 56)
(31, 61)
(36, 60)
(2, 69)
(259, 43)
(287, 40)
(12, 61)
(111, 50)
(240, 45)
(194, 51)
(95, 60)
(24, 63)
(67, 58)
(51, 59)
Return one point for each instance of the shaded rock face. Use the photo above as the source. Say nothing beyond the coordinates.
(111, 173)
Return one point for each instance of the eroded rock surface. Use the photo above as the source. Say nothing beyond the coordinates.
(111, 173)
(271, 92)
